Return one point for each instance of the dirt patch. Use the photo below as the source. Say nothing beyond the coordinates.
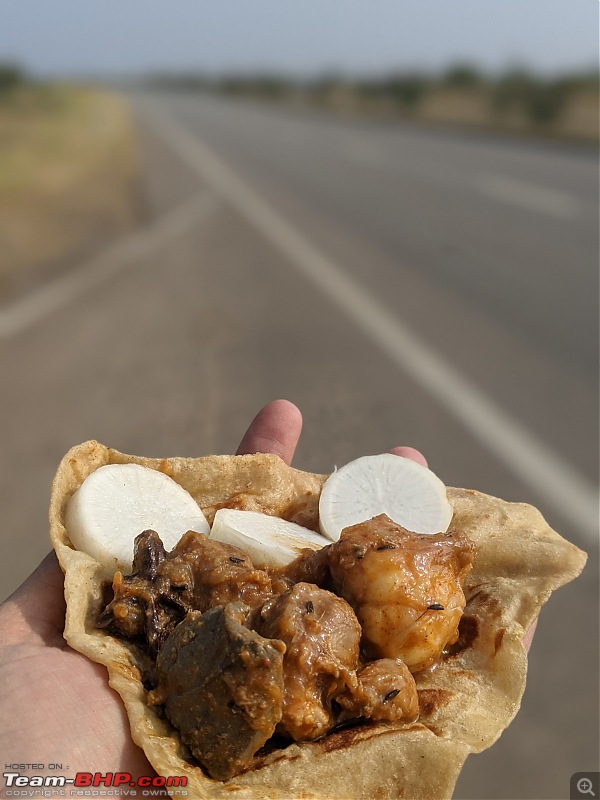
(68, 179)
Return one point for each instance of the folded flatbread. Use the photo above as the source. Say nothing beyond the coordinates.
(465, 702)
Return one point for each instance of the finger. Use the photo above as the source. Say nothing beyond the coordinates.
(410, 452)
(36, 610)
(275, 429)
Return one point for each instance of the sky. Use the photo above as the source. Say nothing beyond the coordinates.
(306, 37)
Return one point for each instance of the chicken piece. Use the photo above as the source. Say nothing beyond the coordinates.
(221, 572)
(197, 574)
(322, 638)
(404, 587)
(386, 692)
(311, 566)
(150, 602)
(222, 687)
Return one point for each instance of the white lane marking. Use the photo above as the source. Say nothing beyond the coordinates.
(529, 196)
(510, 191)
(556, 481)
(51, 297)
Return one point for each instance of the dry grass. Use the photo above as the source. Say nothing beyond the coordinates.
(471, 109)
(68, 166)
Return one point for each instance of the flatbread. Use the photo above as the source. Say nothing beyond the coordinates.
(465, 702)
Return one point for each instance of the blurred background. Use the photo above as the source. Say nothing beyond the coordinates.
(385, 212)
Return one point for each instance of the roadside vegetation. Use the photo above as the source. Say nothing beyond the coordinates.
(67, 172)
(516, 101)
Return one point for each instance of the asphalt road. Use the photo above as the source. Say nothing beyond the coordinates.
(402, 286)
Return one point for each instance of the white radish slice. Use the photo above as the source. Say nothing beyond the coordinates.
(409, 493)
(269, 541)
(118, 501)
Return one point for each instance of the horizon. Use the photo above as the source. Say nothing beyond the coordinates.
(546, 37)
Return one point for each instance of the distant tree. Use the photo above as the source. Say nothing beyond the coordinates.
(325, 85)
(188, 81)
(462, 76)
(581, 81)
(407, 89)
(269, 85)
(546, 101)
(11, 77)
(541, 100)
(511, 88)
(368, 88)
(232, 84)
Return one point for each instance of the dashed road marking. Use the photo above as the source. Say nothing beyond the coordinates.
(530, 196)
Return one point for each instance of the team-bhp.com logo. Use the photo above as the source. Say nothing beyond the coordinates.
(92, 784)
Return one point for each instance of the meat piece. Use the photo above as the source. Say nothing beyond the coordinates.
(197, 574)
(386, 692)
(153, 599)
(322, 637)
(148, 554)
(404, 587)
(222, 687)
(311, 566)
(221, 572)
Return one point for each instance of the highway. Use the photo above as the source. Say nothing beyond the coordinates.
(400, 285)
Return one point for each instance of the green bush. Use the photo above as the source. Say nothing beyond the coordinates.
(325, 85)
(11, 78)
(541, 100)
(545, 102)
(260, 85)
(407, 90)
(462, 76)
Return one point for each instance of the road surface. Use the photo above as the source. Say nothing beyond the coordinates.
(402, 286)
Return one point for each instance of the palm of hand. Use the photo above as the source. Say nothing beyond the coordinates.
(55, 704)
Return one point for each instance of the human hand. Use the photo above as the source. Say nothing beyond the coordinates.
(56, 705)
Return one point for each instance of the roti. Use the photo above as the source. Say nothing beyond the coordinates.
(465, 702)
